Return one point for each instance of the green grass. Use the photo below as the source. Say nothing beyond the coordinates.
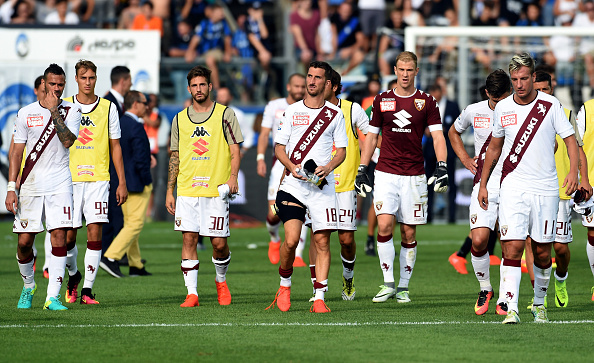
(139, 319)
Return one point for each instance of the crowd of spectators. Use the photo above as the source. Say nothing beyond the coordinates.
(342, 32)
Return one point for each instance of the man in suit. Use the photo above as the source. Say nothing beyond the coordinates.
(448, 111)
(121, 81)
(137, 160)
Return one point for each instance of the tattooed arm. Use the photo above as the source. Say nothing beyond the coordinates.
(172, 181)
(491, 157)
(67, 138)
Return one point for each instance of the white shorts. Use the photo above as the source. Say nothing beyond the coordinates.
(478, 216)
(524, 214)
(563, 231)
(54, 209)
(401, 195)
(276, 174)
(90, 199)
(320, 204)
(208, 216)
(346, 205)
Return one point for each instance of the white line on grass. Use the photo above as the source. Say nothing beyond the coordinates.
(166, 325)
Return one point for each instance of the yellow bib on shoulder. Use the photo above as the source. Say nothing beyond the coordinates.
(89, 155)
(345, 174)
(204, 155)
(588, 138)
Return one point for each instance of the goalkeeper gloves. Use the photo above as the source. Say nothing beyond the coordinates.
(362, 184)
(440, 177)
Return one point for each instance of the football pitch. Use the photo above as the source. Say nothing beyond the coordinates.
(139, 319)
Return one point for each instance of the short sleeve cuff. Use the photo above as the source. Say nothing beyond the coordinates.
(435, 128)
(373, 130)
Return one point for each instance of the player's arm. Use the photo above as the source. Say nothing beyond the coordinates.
(67, 138)
(262, 145)
(460, 150)
(118, 163)
(368, 147)
(491, 158)
(191, 51)
(583, 168)
(439, 144)
(571, 181)
(172, 181)
(235, 162)
(14, 166)
(280, 151)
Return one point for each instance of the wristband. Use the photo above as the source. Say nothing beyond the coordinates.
(259, 157)
(11, 187)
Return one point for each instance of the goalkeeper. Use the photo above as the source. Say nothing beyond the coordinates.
(401, 114)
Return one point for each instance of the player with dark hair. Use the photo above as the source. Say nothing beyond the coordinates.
(563, 232)
(304, 143)
(346, 197)
(204, 164)
(48, 190)
(479, 116)
(89, 166)
(401, 114)
(524, 129)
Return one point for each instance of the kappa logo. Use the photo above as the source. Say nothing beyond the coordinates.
(401, 118)
(86, 121)
(201, 148)
(542, 109)
(419, 104)
(408, 269)
(84, 136)
(473, 218)
(379, 205)
(200, 132)
(503, 230)
(91, 269)
(543, 289)
(24, 223)
(385, 266)
(480, 274)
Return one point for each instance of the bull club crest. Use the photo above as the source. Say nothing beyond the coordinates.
(178, 222)
(589, 218)
(24, 223)
(419, 104)
(379, 205)
(473, 218)
(503, 230)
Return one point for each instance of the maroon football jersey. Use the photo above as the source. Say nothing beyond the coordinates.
(402, 121)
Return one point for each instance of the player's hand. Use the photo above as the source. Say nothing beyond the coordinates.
(322, 171)
(170, 203)
(261, 168)
(483, 198)
(121, 194)
(296, 174)
(51, 100)
(362, 183)
(471, 164)
(232, 183)
(440, 177)
(570, 183)
(153, 161)
(11, 202)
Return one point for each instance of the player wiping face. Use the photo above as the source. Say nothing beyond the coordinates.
(54, 87)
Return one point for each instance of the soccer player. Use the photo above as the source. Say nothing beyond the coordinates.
(585, 125)
(524, 129)
(344, 175)
(273, 113)
(47, 128)
(401, 114)
(89, 166)
(205, 154)
(308, 129)
(563, 233)
(479, 116)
